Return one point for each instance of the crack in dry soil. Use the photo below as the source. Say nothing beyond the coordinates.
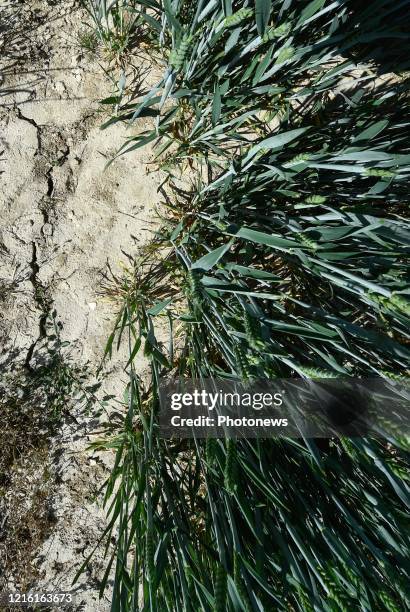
(43, 303)
(34, 124)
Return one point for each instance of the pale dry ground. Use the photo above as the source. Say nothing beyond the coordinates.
(63, 217)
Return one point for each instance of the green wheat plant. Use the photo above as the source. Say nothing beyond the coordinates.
(287, 257)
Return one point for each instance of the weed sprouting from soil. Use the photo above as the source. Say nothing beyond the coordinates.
(88, 40)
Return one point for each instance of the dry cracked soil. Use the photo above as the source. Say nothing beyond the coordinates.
(64, 218)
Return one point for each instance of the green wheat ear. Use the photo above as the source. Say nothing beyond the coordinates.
(307, 242)
(194, 280)
(272, 33)
(336, 593)
(304, 599)
(283, 29)
(177, 56)
(220, 589)
(230, 473)
(285, 54)
(315, 199)
(210, 450)
(238, 17)
(398, 470)
(399, 303)
(317, 372)
(269, 35)
(242, 364)
(400, 378)
(253, 332)
(348, 447)
(301, 157)
(388, 602)
(379, 172)
(395, 302)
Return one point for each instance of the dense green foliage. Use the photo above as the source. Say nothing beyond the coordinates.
(290, 259)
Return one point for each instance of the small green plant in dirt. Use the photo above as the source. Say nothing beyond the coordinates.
(62, 379)
(53, 372)
(117, 26)
(88, 40)
(289, 259)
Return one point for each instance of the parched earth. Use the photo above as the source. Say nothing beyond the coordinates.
(64, 217)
